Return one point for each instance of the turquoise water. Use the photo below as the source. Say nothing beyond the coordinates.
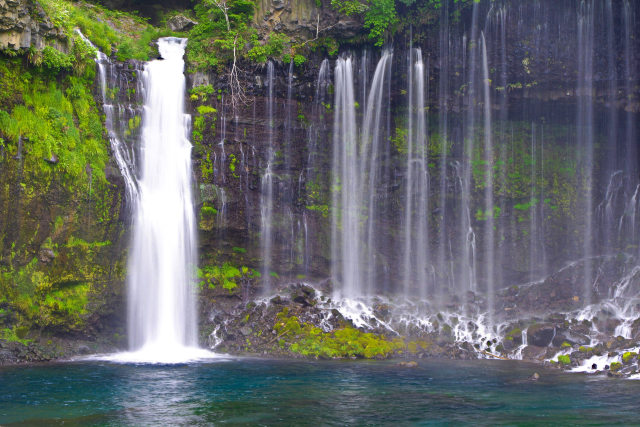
(279, 392)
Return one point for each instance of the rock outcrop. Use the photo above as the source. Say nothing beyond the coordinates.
(24, 24)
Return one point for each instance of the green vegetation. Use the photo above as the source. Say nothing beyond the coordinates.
(615, 366)
(628, 356)
(308, 340)
(15, 334)
(515, 332)
(564, 359)
(322, 209)
(201, 93)
(226, 275)
(57, 121)
(124, 34)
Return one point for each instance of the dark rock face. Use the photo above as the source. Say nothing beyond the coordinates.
(541, 335)
(304, 19)
(533, 352)
(24, 24)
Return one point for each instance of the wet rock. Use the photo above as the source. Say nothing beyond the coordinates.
(541, 334)
(508, 345)
(410, 364)
(607, 325)
(277, 300)
(84, 349)
(533, 352)
(569, 336)
(46, 255)
(180, 23)
(534, 377)
(52, 160)
(245, 330)
(303, 300)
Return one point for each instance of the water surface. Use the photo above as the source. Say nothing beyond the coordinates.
(275, 392)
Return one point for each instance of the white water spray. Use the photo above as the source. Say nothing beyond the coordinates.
(161, 305)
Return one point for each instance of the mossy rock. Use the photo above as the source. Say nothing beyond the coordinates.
(628, 356)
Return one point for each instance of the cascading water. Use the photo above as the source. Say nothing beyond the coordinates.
(585, 131)
(266, 200)
(161, 297)
(457, 179)
(416, 235)
(345, 233)
(356, 172)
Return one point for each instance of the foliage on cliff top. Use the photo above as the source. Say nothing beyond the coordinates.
(213, 40)
(381, 17)
(128, 35)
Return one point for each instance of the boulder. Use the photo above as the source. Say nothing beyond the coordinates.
(46, 255)
(180, 23)
(533, 352)
(569, 336)
(410, 364)
(541, 334)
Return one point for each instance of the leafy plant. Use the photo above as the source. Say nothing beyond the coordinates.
(226, 275)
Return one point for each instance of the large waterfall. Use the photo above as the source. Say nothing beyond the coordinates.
(163, 256)
(162, 316)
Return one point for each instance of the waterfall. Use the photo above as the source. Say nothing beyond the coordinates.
(162, 261)
(345, 233)
(416, 235)
(443, 123)
(114, 118)
(266, 193)
(162, 313)
(356, 172)
(488, 215)
(585, 131)
(467, 276)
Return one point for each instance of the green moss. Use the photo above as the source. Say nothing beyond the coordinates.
(323, 209)
(615, 366)
(515, 332)
(57, 119)
(628, 355)
(308, 340)
(564, 359)
(208, 211)
(232, 165)
(15, 334)
(565, 345)
(414, 347)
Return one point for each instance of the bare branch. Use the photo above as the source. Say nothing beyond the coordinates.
(318, 31)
